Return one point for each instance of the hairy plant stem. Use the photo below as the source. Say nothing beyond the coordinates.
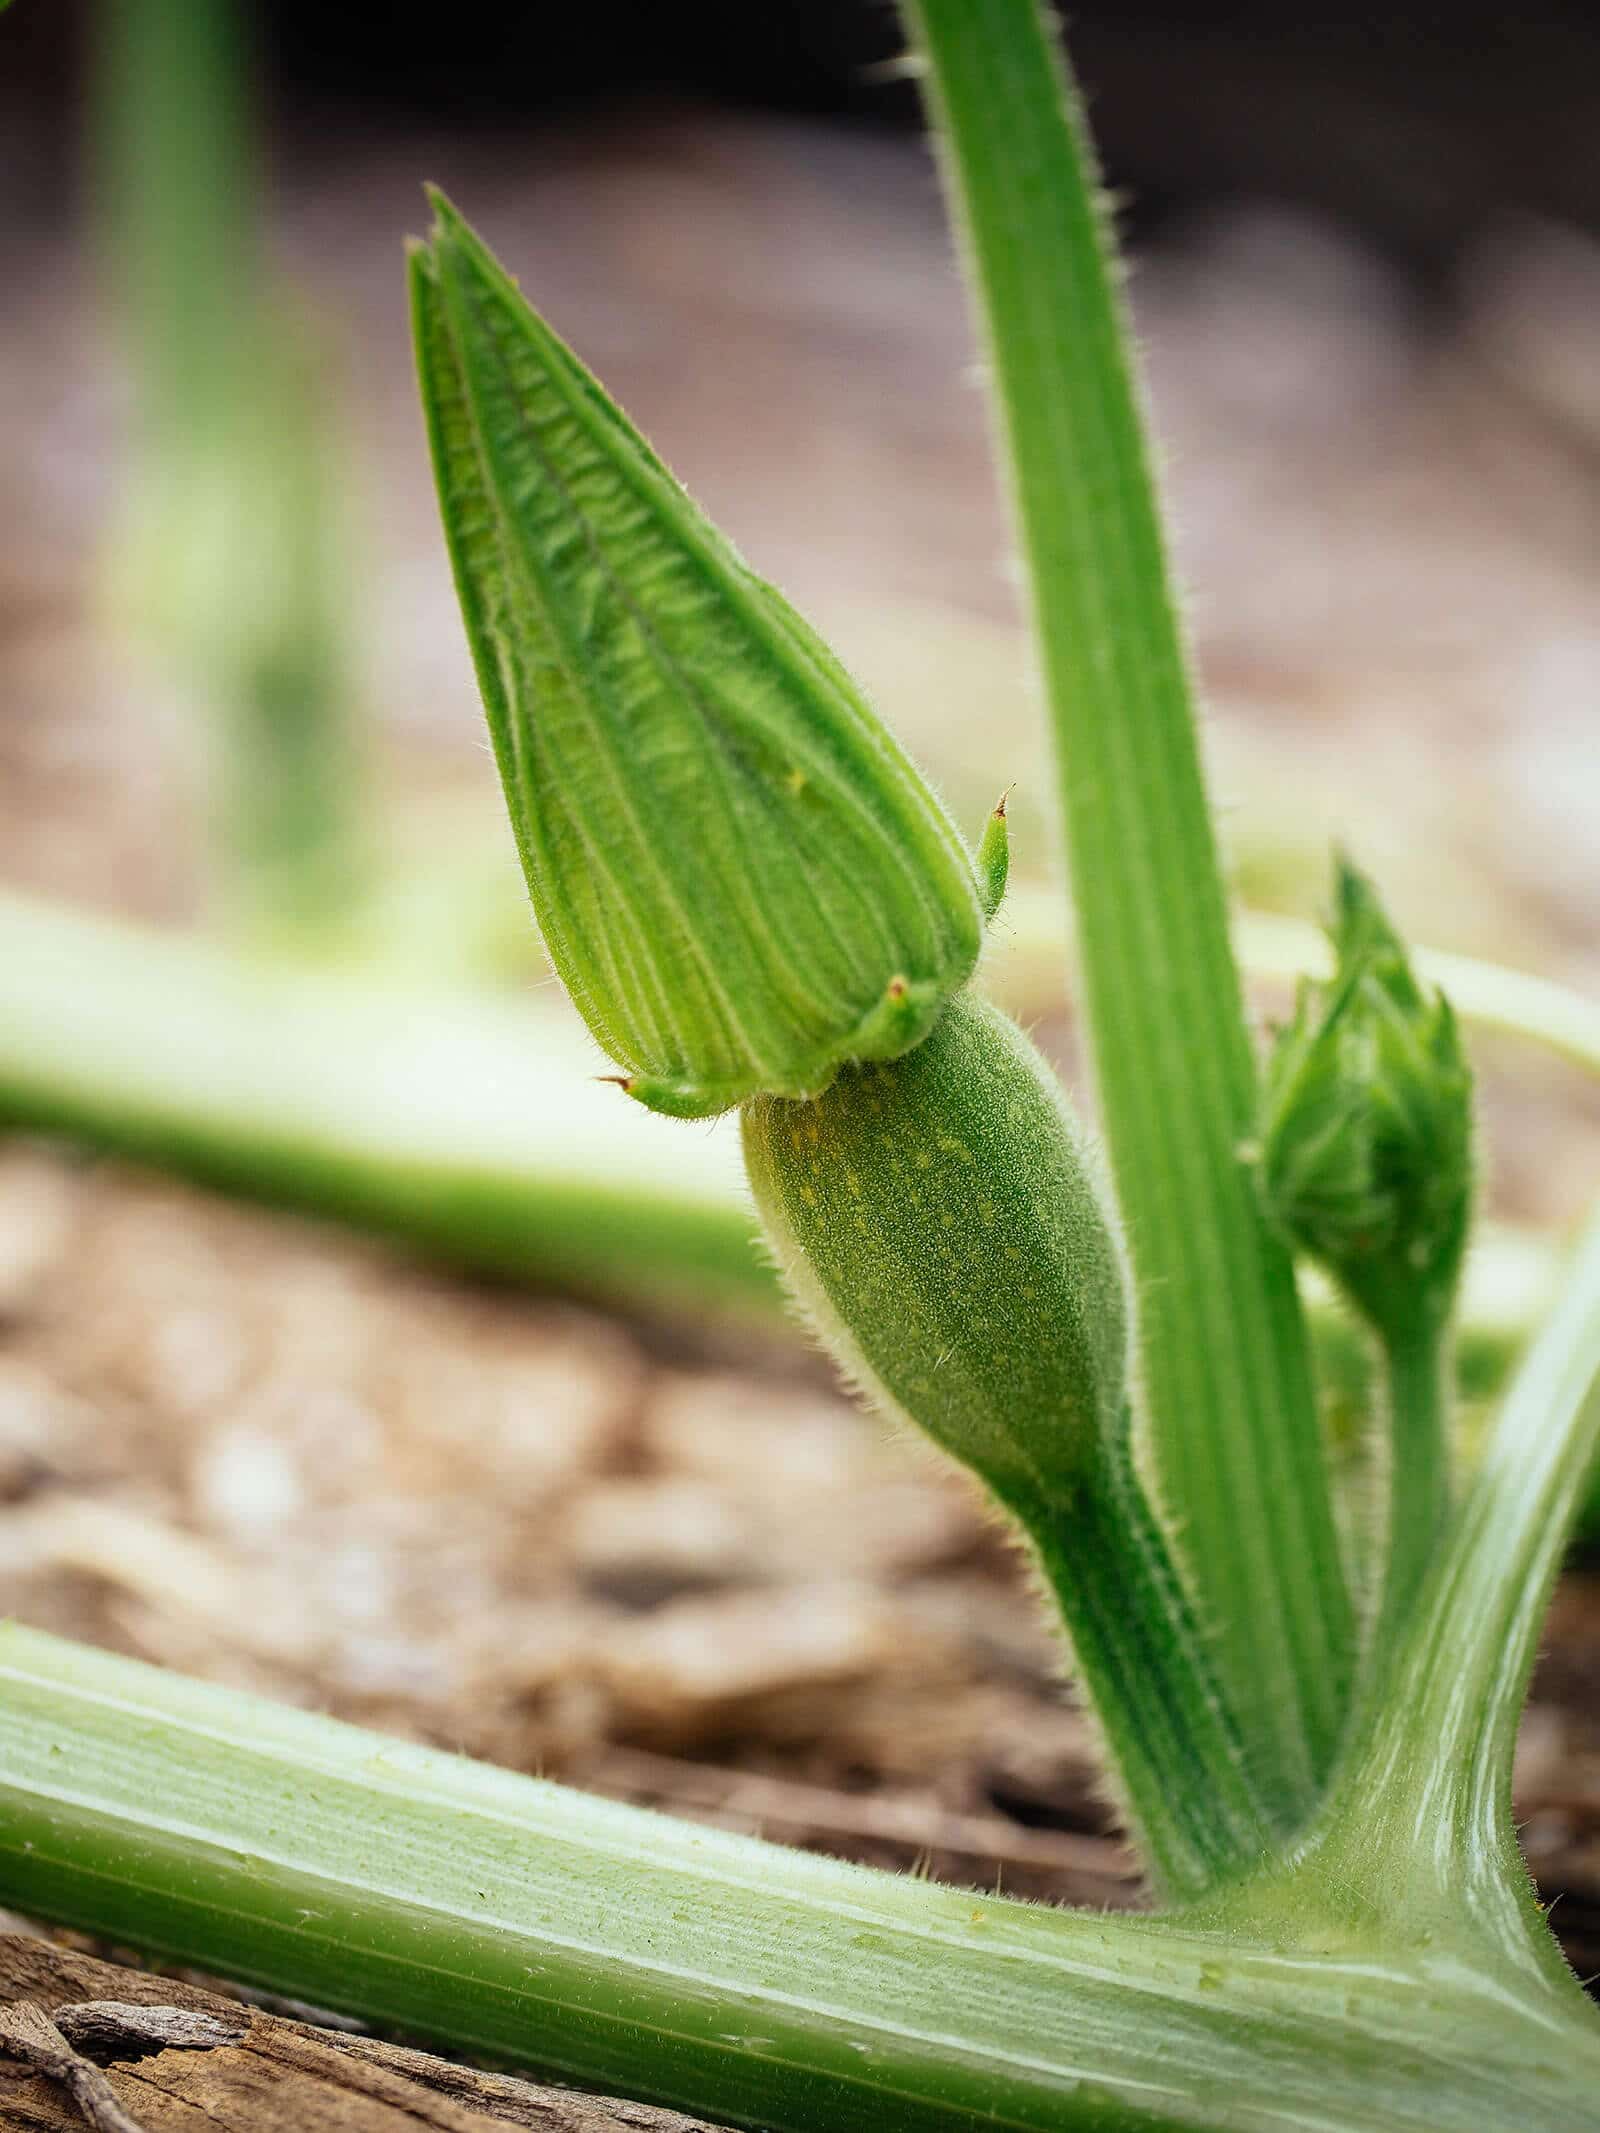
(1147, 1673)
(498, 1914)
(1421, 1814)
(1224, 1371)
(938, 1218)
(1418, 1443)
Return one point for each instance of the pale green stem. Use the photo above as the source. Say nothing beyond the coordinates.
(229, 554)
(1224, 1369)
(467, 1125)
(176, 182)
(509, 1917)
(1424, 1805)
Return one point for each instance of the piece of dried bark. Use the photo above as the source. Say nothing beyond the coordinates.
(178, 2058)
(28, 2035)
(118, 2029)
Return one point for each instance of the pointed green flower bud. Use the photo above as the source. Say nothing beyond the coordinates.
(740, 878)
(1365, 1155)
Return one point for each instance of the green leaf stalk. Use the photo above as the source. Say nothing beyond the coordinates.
(526, 1922)
(462, 1125)
(1229, 1411)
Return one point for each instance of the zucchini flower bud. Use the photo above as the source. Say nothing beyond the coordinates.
(740, 879)
(1365, 1155)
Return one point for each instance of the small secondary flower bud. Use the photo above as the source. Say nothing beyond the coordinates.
(1365, 1156)
(740, 878)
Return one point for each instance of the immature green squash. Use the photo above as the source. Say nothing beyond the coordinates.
(938, 1215)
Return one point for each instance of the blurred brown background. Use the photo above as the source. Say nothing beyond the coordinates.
(673, 1562)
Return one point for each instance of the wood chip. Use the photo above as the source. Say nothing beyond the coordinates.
(181, 2058)
(119, 2029)
(28, 2034)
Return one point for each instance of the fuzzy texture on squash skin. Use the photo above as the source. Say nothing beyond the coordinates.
(939, 1219)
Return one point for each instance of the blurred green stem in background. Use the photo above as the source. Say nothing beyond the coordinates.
(230, 557)
(467, 1124)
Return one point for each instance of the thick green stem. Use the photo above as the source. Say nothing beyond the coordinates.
(1223, 1360)
(505, 1916)
(1148, 1677)
(1421, 1814)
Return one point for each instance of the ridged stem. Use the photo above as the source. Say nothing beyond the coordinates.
(509, 1917)
(1421, 1813)
(1225, 1376)
(1147, 1675)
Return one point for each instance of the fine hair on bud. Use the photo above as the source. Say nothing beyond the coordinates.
(937, 1216)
